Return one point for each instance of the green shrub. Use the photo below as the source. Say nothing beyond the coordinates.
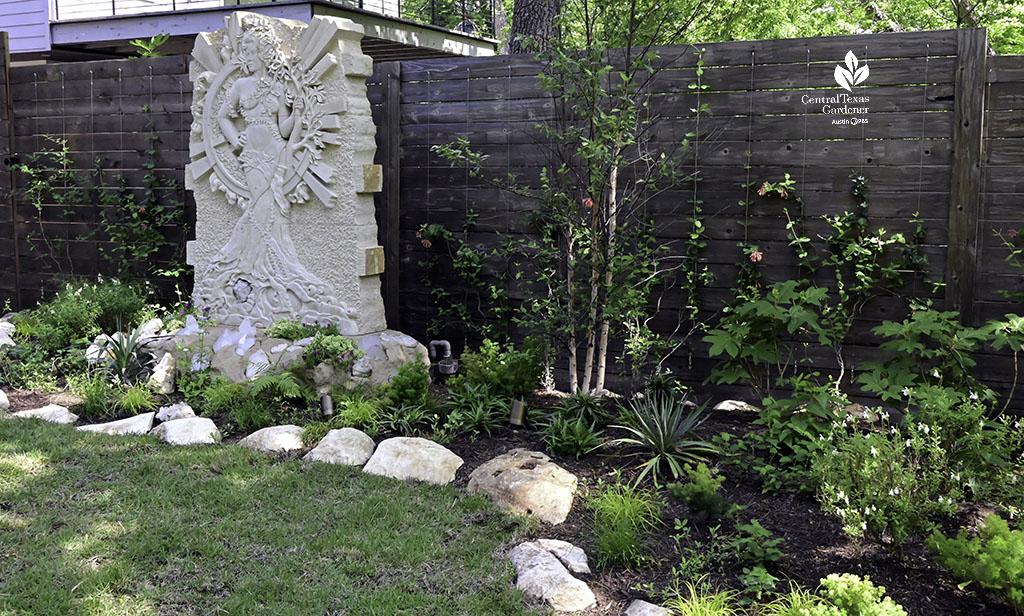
(701, 494)
(508, 373)
(410, 386)
(409, 419)
(120, 305)
(623, 516)
(663, 428)
(887, 486)
(755, 546)
(983, 452)
(929, 348)
(360, 412)
(473, 409)
(849, 595)
(135, 400)
(588, 407)
(337, 351)
(222, 395)
(251, 414)
(757, 584)
(571, 437)
(293, 330)
(96, 394)
(994, 559)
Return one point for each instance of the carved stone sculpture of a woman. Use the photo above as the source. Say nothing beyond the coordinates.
(260, 113)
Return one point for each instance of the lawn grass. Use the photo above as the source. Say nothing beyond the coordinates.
(99, 525)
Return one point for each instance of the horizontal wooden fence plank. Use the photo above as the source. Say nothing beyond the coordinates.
(100, 69)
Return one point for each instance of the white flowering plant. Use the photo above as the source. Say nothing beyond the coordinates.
(886, 486)
(984, 447)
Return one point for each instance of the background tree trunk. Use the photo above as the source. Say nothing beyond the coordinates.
(534, 19)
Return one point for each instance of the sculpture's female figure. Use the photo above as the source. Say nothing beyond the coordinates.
(261, 117)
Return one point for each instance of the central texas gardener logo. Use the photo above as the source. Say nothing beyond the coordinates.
(851, 75)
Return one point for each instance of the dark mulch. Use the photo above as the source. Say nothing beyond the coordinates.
(814, 543)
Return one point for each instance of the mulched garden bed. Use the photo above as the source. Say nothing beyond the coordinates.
(814, 543)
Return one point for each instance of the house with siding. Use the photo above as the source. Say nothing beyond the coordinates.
(63, 30)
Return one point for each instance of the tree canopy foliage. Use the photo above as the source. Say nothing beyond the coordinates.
(702, 21)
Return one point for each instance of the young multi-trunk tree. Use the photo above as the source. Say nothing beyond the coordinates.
(594, 251)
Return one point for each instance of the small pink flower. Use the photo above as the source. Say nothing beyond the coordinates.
(1012, 233)
(426, 243)
(588, 202)
(764, 189)
(783, 193)
(756, 256)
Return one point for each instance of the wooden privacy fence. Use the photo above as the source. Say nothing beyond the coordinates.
(110, 113)
(944, 138)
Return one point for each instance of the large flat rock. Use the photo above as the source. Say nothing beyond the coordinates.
(140, 424)
(188, 431)
(275, 439)
(345, 446)
(414, 458)
(53, 413)
(528, 483)
(540, 574)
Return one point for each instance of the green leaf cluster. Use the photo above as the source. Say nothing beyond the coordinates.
(503, 370)
(994, 559)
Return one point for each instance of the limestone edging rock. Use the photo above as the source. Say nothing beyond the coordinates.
(53, 413)
(188, 431)
(541, 575)
(528, 483)
(414, 458)
(139, 424)
(275, 439)
(345, 446)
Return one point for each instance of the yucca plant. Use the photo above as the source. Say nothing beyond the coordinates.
(126, 358)
(662, 426)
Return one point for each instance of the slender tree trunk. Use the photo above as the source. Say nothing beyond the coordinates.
(595, 287)
(501, 27)
(536, 20)
(613, 203)
(570, 271)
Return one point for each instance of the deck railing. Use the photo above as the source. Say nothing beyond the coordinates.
(475, 17)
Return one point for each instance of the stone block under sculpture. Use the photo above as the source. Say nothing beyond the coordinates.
(281, 141)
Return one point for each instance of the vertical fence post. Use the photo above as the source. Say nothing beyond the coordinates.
(965, 200)
(7, 156)
(392, 125)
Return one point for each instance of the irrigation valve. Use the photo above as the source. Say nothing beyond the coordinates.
(441, 351)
